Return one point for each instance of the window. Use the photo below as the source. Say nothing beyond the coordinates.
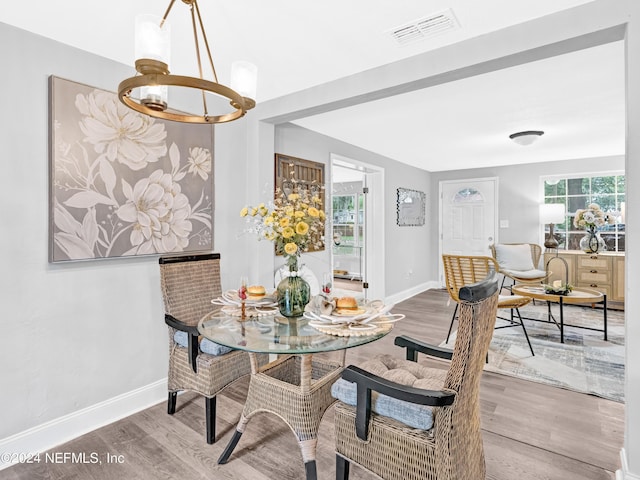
(348, 234)
(607, 190)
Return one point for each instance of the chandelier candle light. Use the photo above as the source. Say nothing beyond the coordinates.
(152, 64)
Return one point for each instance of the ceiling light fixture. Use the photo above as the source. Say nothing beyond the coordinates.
(527, 137)
(152, 64)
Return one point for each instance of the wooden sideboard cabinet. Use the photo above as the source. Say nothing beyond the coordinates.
(602, 271)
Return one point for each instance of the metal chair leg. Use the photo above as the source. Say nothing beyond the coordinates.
(525, 332)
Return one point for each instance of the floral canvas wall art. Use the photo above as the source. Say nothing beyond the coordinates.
(124, 184)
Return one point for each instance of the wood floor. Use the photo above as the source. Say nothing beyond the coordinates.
(531, 431)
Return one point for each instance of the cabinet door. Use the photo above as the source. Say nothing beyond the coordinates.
(618, 279)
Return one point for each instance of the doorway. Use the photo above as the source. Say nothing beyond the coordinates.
(468, 213)
(357, 234)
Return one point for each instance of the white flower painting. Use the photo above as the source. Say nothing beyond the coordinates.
(122, 183)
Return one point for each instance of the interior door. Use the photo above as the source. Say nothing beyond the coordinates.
(468, 216)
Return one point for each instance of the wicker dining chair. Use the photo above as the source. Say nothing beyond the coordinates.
(462, 270)
(430, 426)
(519, 262)
(188, 285)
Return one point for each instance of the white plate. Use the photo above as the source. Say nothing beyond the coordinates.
(320, 323)
(388, 318)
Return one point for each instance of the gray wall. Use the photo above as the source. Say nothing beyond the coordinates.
(519, 194)
(405, 247)
(78, 334)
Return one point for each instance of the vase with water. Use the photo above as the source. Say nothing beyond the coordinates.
(592, 242)
(293, 291)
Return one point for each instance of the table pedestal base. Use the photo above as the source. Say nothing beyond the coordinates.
(296, 389)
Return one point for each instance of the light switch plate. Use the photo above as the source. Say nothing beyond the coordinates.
(504, 223)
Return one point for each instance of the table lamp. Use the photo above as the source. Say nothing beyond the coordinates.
(551, 213)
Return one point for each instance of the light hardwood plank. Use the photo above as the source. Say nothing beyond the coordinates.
(531, 431)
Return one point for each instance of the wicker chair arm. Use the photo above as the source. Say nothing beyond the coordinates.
(193, 338)
(414, 347)
(367, 381)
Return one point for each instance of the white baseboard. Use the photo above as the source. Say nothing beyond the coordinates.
(623, 473)
(401, 296)
(56, 432)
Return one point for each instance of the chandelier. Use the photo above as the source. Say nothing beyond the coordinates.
(153, 78)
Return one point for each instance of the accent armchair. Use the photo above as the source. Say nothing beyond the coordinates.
(460, 270)
(519, 262)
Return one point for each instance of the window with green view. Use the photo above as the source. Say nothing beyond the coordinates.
(607, 190)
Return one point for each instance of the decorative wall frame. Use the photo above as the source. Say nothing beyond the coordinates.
(411, 207)
(121, 183)
(291, 173)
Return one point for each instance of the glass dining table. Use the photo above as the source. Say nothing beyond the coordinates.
(293, 385)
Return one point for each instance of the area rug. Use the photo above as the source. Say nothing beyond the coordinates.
(584, 363)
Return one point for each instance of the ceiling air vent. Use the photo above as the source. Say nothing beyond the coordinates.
(424, 27)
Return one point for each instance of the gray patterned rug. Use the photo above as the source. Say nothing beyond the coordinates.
(584, 363)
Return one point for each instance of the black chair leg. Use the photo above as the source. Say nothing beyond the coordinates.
(342, 468)
(311, 472)
(224, 458)
(210, 414)
(451, 325)
(525, 332)
(171, 403)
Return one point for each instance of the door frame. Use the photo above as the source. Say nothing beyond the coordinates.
(441, 183)
(374, 226)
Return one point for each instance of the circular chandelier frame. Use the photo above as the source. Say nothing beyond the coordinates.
(239, 103)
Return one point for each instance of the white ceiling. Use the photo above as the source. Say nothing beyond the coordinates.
(577, 99)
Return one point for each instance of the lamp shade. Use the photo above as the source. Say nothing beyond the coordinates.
(552, 213)
(152, 41)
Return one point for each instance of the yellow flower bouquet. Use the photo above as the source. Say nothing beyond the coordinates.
(293, 223)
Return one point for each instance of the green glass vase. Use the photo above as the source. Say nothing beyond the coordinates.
(293, 291)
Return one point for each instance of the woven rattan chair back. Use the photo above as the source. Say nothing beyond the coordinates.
(476, 322)
(452, 449)
(188, 285)
(461, 270)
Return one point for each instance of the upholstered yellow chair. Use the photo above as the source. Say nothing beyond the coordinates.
(402, 420)
(460, 270)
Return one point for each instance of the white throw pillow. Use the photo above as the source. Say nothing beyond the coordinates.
(514, 257)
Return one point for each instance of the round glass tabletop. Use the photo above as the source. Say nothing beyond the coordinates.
(276, 334)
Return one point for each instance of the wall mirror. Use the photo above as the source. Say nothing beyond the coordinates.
(411, 207)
